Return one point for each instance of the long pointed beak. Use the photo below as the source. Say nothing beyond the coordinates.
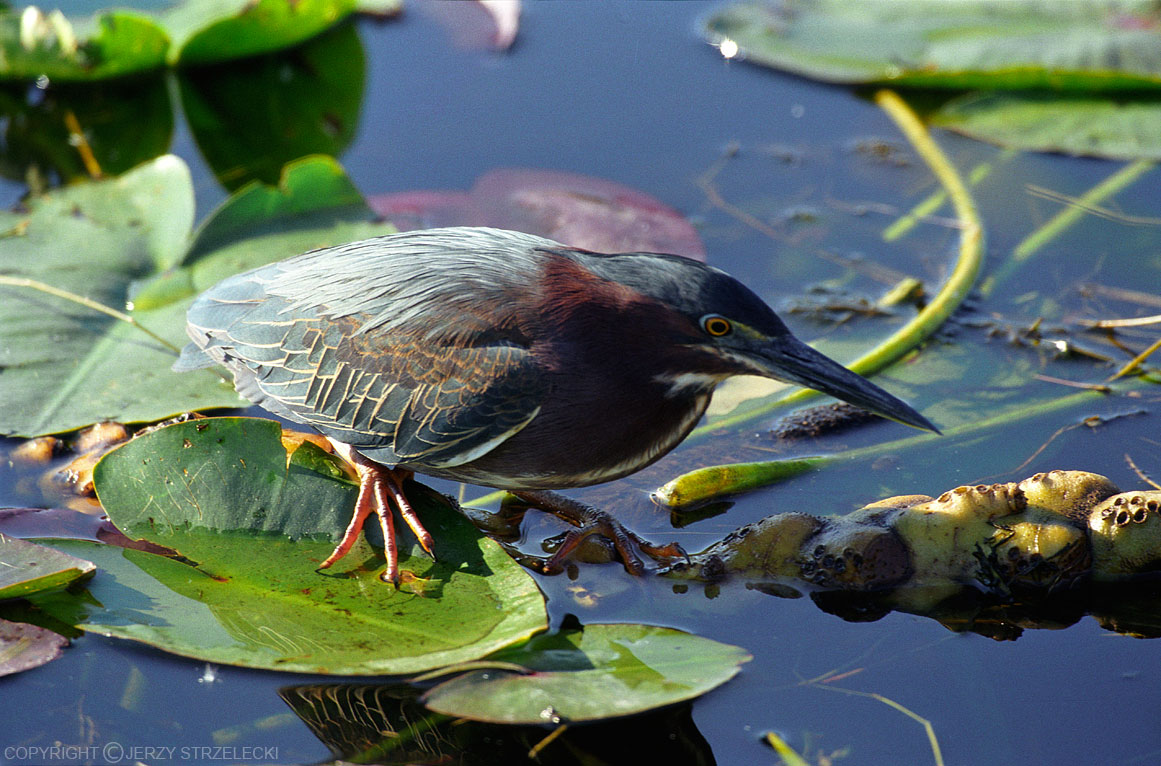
(792, 361)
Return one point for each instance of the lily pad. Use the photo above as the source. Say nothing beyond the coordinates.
(251, 527)
(29, 568)
(578, 210)
(127, 41)
(995, 44)
(109, 44)
(600, 672)
(1085, 126)
(66, 365)
(24, 646)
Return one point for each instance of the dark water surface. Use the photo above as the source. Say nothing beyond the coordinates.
(629, 93)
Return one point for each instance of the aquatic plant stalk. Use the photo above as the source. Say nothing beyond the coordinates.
(785, 752)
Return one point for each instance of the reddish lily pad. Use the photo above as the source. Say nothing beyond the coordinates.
(24, 646)
(577, 210)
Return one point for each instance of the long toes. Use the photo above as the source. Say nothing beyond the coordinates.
(663, 554)
(364, 506)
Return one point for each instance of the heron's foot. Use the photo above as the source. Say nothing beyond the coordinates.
(590, 521)
(379, 488)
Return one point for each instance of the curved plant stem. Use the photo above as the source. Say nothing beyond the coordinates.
(950, 296)
(88, 303)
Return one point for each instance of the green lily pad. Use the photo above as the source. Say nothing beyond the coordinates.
(995, 44)
(600, 672)
(67, 366)
(206, 32)
(251, 530)
(128, 41)
(109, 44)
(1086, 126)
(29, 568)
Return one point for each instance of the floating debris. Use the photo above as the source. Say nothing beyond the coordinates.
(1047, 533)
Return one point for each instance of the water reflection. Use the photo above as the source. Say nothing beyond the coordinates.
(248, 118)
(387, 724)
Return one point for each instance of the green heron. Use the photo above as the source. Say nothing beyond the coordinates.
(498, 358)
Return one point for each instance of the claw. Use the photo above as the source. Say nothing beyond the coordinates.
(379, 488)
(588, 521)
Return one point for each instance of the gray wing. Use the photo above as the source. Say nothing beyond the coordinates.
(405, 347)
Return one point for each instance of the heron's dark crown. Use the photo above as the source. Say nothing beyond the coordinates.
(687, 286)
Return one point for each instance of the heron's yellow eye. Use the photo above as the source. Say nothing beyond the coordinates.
(716, 325)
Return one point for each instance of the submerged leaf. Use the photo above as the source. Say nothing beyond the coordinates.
(309, 98)
(576, 210)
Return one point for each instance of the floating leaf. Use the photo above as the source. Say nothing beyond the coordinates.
(601, 672)
(1084, 126)
(231, 29)
(109, 44)
(24, 646)
(65, 365)
(578, 210)
(967, 44)
(27, 568)
(121, 42)
(222, 493)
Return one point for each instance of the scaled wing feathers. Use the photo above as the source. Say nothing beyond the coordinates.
(403, 347)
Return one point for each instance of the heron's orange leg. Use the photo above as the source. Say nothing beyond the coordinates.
(363, 508)
(379, 487)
